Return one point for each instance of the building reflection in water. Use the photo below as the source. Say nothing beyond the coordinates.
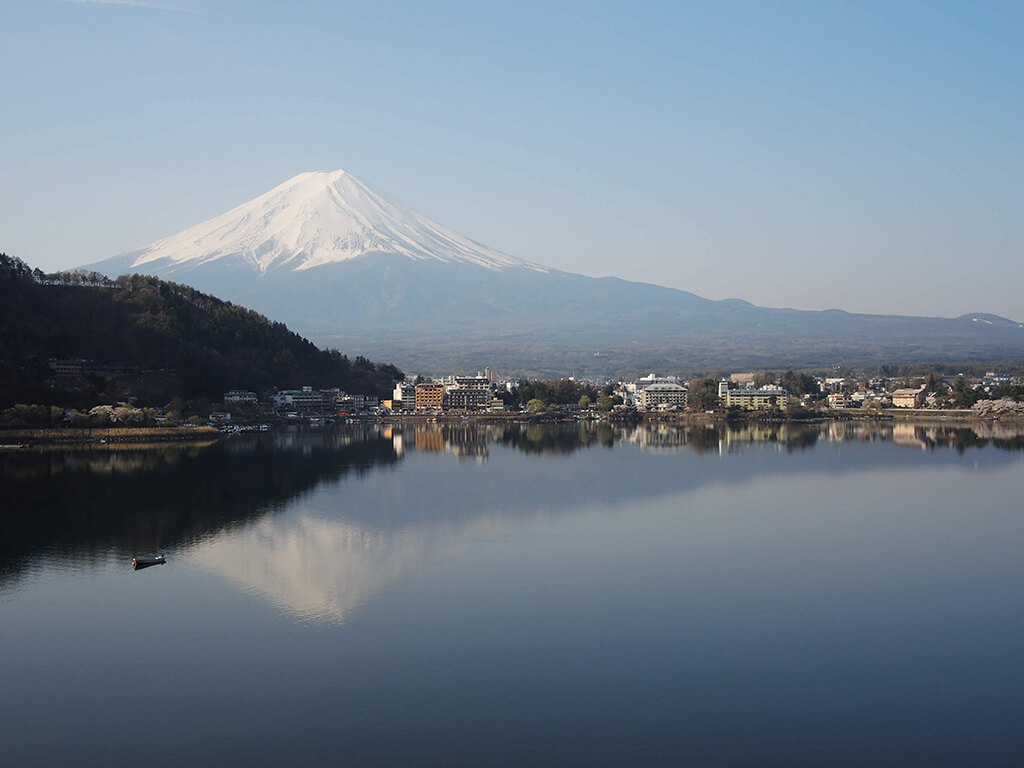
(319, 569)
(464, 441)
(474, 441)
(236, 506)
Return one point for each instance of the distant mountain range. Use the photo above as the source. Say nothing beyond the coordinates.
(337, 262)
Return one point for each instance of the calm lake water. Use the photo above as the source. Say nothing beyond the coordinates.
(843, 595)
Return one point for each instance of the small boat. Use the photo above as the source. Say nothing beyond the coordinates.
(147, 560)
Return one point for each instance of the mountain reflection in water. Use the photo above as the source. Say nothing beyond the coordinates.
(116, 501)
(236, 506)
(463, 595)
(320, 570)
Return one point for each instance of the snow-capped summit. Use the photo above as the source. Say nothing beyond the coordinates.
(311, 220)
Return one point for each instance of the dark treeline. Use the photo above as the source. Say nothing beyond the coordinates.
(204, 346)
(970, 368)
(554, 392)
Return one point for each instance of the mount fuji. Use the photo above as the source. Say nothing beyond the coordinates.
(310, 221)
(342, 265)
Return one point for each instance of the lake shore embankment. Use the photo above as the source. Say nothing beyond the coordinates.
(22, 438)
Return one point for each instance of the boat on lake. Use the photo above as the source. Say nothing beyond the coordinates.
(147, 560)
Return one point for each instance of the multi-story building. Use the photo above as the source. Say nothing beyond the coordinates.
(473, 382)
(763, 399)
(66, 367)
(466, 399)
(662, 394)
(404, 397)
(908, 398)
(840, 400)
(469, 393)
(630, 391)
(331, 399)
(365, 402)
(305, 399)
(429, 396)
(240, 396)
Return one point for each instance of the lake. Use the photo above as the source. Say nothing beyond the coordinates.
(844, 594)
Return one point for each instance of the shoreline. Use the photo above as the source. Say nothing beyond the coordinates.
(815, 417)
(22, 438)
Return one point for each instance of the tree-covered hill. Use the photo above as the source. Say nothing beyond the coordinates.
(191, 344)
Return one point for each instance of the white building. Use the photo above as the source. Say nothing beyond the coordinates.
(630, 391)
(240, 396)
(662, 394)
(404, 397)
(469, 393)
(298, 399)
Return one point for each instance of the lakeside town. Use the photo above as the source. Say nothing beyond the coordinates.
(487, 395)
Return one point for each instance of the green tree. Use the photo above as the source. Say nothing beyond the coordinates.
(965, 396)
(703, 395)
(799, 383)
(201, 346)
(25, 415)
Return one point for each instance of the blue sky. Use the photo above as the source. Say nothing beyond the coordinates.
(865, 156)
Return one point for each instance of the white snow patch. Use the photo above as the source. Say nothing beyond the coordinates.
(321, 218)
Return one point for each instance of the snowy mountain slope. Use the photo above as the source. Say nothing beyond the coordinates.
(311, 220)
(345, 267)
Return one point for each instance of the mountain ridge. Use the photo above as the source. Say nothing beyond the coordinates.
(171, 340)
(390, 283)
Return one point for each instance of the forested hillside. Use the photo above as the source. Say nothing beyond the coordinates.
(169, 340)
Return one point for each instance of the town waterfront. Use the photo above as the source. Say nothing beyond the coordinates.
(843, 593)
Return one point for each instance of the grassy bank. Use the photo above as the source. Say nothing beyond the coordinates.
(24, 438)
